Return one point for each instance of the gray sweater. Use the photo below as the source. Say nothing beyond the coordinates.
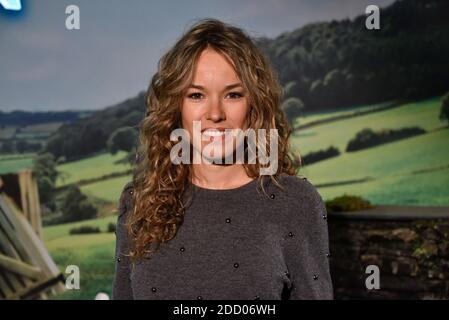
(235, 244)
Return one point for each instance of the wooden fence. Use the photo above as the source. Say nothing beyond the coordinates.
(27, 271)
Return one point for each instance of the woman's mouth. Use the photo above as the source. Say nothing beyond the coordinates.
(215, 134)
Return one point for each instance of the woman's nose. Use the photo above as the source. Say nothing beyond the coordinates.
(215, 111)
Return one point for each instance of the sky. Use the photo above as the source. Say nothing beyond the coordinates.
(112, 57)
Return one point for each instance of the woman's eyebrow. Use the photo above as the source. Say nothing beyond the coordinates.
(229, 86)
(234, 85)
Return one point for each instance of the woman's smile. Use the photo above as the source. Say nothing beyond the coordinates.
(215, 134)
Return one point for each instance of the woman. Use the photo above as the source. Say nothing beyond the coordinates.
(212, 230)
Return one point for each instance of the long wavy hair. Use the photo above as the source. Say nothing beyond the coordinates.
(160, 185)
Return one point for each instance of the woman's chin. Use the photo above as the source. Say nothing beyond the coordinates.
(219, 158)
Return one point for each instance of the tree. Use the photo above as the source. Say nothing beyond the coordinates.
(293, 108)
(122, 139)
(46, 187)
(76, 206)
(44, 167)
(444, 112)
(291, 89)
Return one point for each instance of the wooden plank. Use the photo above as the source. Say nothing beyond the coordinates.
(37, 288)
(11, 232)
(29, 200)
(22, 235)
(36, 207)
(23, 243)
(18, 267)
(33, 252)
(22, 188)
(16, 281)
(5, 246)
(4, 287)
(36, 248)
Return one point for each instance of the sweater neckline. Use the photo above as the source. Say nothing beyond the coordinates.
(236, 190)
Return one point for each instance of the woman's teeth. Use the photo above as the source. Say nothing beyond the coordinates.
(213, 133)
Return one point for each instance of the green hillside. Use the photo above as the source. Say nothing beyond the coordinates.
(394, 168)
(422, 113)
(90, 168)
(106, 189)
(430, 189)
(14, 162)
(396, 158)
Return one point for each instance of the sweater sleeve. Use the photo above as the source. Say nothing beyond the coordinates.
(121, 287)
(307, 247)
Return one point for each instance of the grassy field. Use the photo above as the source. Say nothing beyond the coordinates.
(338, 133)
(94, 254)
(54, 234)
(106, 189)
(15, 162)
(430, 189)
(38, 133)
(392, 165)
(395, 158)
(93, 167)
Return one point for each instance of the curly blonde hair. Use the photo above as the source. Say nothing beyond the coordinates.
(160, 185)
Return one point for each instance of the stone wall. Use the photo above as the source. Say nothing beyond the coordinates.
(412, 255)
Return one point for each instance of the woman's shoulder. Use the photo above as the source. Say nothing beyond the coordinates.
(302, 204)
(128, 186)
(300, 197)
(126, 197)
(298, 186)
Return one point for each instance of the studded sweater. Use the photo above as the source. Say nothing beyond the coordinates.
(234, 244)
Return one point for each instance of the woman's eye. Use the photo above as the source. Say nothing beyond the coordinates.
(235, 95)
(195, 95)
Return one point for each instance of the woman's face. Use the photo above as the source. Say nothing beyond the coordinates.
(216, 98)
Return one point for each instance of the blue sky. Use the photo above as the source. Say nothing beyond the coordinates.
(44, 66)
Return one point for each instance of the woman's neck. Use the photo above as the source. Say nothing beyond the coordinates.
(213, 176)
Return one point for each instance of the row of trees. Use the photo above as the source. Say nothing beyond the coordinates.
(367, 138)
(20, 146)
(90, 135)
(341, 63)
